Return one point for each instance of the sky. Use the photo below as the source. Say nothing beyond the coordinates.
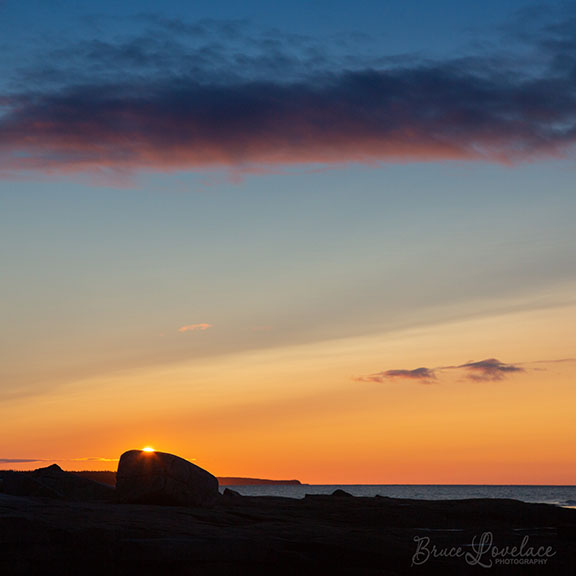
(310, 240)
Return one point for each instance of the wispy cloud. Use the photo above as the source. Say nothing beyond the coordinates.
(490, 369)
(195, 327)
(558, 361)
(423, 374)
(86, 459)
(90, 459)
(20, 460)
(164, 113)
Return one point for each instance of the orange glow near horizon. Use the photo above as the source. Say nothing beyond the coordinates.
(299, 413)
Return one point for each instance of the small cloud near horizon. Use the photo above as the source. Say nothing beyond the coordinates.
(89, 459)
(20, 460)
(194, 328)
(422, 374)
(490, 369)
(557, 361)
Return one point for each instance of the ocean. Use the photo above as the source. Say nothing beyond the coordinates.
(558, 495)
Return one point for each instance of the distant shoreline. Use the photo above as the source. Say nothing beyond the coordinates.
(233, 481)
(109, 477)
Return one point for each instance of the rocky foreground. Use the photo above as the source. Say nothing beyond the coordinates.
(66, 525)
(275, 536)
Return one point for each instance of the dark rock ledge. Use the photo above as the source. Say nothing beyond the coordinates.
(52, 524)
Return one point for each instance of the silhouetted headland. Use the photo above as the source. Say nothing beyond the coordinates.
(57, 522)
(109, 477)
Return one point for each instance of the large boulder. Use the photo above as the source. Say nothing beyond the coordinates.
(162, 478)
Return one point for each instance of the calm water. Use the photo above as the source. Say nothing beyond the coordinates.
(560, 495)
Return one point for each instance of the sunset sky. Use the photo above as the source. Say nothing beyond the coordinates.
(320, 239)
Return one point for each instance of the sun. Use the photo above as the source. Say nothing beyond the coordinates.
(148, 449)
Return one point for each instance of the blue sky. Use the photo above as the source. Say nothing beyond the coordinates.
(396, 25)
(109, 274)
(355, 244)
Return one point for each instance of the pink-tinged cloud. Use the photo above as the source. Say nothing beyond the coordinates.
(158, 102)
(489, 370)
(194, 328)
(414, 113)
(422, 374)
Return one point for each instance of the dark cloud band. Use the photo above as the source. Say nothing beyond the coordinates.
(473, 109)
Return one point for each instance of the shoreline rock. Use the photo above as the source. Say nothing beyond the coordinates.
(262, 535)
(162, 478)
(53, 482)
